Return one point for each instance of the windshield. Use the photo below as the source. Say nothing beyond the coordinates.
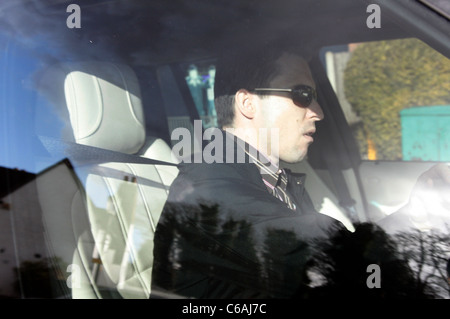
(224, 149)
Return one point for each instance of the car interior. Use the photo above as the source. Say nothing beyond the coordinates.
(105, 98)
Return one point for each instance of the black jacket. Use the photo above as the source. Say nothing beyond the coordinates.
(223, 235)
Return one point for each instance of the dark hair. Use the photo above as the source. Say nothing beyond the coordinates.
(243, 69)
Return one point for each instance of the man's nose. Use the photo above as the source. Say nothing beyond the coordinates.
(316, 111)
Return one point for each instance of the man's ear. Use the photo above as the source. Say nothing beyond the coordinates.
(245, 103)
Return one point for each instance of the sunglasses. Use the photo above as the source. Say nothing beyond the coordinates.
(301, 94)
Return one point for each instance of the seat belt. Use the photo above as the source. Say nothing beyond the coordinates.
(345, 199)
(85, 154)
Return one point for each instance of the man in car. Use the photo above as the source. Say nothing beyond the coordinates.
(240, 226)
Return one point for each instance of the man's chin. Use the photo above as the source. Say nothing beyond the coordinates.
(294, 158)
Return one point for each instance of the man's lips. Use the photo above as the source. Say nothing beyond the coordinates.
(309, 135)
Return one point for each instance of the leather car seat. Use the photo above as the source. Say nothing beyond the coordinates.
(112, 216)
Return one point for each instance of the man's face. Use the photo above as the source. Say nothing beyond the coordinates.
(296, 123)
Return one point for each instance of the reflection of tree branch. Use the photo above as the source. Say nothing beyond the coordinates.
(207, 254)
(426, 253)
(442, 274)
(421, 257)
(203, 246)
(343, 259)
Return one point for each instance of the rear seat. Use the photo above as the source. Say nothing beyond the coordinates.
(121, 202)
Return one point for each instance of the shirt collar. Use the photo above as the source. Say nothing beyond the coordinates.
(271, 174)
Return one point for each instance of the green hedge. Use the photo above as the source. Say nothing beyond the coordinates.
(382, 78)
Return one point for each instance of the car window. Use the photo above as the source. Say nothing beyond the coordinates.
(394, 96)
(200, 79)
(103, 103)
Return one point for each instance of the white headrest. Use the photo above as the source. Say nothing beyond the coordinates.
(104, 104)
